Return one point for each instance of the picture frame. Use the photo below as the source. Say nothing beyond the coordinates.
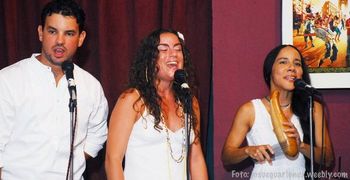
(325, 53)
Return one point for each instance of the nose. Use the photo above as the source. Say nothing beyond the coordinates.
(173, 52)
(60, 39)
(292, 67)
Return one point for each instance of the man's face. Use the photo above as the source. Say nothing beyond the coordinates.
(60, 39)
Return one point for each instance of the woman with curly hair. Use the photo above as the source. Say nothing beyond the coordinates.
(147, 123)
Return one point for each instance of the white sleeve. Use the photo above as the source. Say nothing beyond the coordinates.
(7, 113)
(97, 127)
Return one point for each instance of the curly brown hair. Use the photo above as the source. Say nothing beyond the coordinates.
(142, 76)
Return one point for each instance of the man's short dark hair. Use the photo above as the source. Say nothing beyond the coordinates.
(65, 8)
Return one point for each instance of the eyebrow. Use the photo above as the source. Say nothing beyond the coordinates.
(162, 44)
(50, 27)
(287, 58)
(70, 30)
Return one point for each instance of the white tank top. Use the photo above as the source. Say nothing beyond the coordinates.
(262, 133)
(148, 154)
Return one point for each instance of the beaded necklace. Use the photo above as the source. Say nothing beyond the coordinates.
(183, 149)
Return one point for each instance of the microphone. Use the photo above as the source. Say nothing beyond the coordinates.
(302, 85)
(68, 67)
(180, 77)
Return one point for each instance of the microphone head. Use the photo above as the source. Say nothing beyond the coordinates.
(68, 67)
(180, 76)
(302, 85)
(180, 83)
(298, 83)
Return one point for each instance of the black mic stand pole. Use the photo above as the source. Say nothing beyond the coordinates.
(188, 127)
(73, 113)
(311, 104)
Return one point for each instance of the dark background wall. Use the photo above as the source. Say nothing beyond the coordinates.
(243, 33)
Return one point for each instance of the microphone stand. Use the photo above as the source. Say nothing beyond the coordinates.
(188, 127)
(73, 114)
(310, 105)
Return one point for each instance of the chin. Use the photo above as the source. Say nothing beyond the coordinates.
(290, 88)
(62, 59)
(59, 62)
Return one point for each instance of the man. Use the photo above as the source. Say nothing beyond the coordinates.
(35, 120)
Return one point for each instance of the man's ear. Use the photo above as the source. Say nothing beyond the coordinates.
(40, 33)
(82, 36)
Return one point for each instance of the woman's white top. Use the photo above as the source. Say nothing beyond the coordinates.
(148, 154)
(262, 133)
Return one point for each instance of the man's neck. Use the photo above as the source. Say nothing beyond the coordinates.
(55, 69)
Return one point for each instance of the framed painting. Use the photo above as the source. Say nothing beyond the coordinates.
(318, 28)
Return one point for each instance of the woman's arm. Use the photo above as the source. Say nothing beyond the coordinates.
(198, 167)
(120, 126)
(327, 145)
(232, 153)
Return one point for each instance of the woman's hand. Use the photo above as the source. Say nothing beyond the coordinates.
(260, 153)
(292, 132)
